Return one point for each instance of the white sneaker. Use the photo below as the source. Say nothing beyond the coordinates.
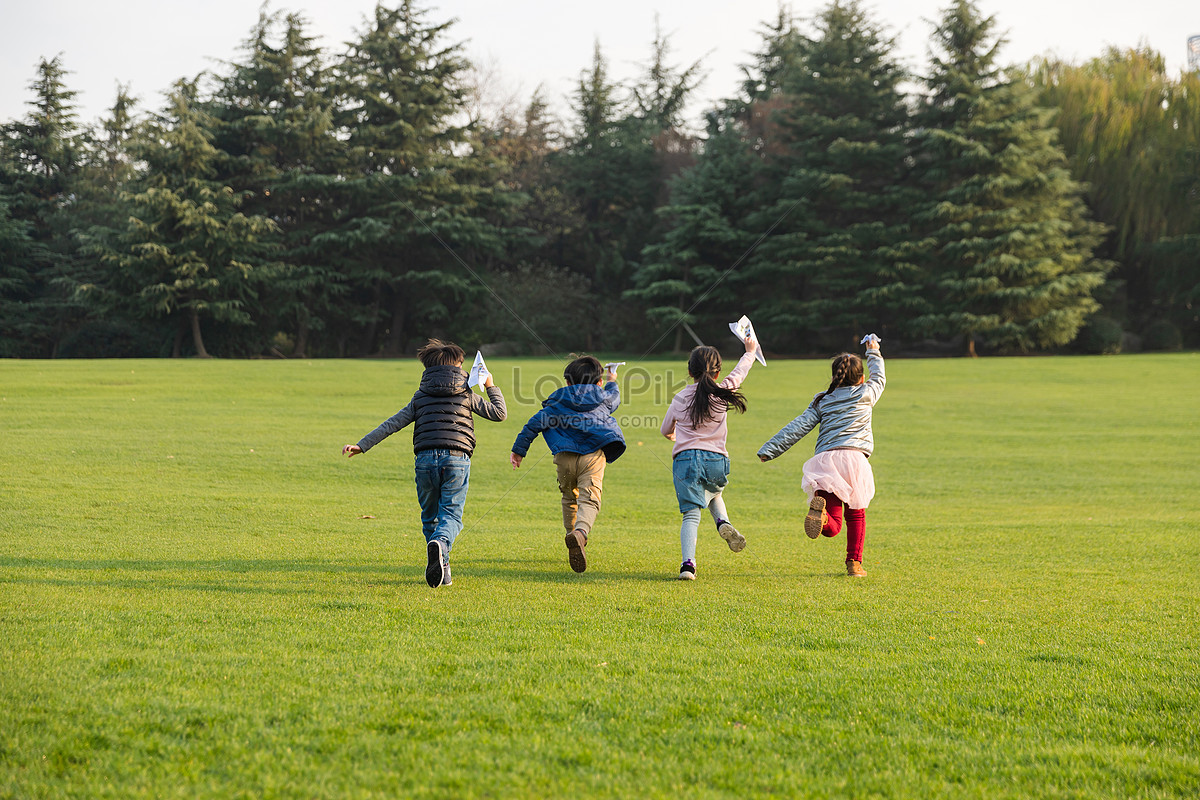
(687, 571)
(736, 542)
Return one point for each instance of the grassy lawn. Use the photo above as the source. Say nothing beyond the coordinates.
(200, 597)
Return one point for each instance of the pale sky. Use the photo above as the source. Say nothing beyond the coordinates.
(151, 43)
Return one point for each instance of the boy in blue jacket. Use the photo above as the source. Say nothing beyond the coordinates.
(576, 422)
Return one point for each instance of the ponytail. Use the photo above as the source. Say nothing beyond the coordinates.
(710, 396)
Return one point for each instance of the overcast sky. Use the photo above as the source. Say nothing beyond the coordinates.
(151, 43)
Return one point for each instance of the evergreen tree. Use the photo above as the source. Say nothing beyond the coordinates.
(99, 215)
(619, 164)
(1010, 247)
(604, 169)
(39, 162)
(836, 257)
(411, 202)
(187, 252)
(705, 238)
(275, 124)
(20, 324)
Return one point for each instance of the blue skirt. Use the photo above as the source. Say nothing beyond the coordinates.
(700, 475)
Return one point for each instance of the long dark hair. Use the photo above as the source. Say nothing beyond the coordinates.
(847, 369)
(703, 364)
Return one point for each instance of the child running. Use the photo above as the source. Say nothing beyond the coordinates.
(695, 421)
(839, 474)
(443, 440)
(577, 424)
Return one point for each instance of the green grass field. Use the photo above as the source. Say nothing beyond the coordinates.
(200, 597)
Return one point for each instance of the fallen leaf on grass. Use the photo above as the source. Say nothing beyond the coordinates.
(602, 664)
(367, 516)
(980, 641)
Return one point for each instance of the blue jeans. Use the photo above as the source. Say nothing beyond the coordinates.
(442, 480)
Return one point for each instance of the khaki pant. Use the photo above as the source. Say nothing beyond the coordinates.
(581, 481)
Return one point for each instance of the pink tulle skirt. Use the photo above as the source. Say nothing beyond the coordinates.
(845, 473)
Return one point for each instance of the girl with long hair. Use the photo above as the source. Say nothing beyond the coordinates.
(695, 421)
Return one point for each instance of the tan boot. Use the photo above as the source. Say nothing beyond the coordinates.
(576, 541)
(854, 569)
(815, 520)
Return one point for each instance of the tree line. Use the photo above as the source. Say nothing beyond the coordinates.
(302, 202)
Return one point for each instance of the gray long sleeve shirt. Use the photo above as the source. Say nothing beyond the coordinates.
(442, 409)
(843, 415)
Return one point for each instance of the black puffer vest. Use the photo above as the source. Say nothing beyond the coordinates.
(442, 412)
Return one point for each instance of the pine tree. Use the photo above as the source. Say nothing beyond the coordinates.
(274, 122)
(1010, 256)
(39, 163)
(836, 257)
(98, 217)
(607, 168)
(620, 162)
(187, 252)
(705, 238)
(20, 324)
(414, 189)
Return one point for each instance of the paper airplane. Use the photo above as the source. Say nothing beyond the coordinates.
(479, 371)
(870, 337)
(743, 328)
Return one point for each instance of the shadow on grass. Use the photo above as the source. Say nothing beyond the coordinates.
(541, 570)
(98, 572)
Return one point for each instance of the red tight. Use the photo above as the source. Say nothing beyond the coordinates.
(856, 525)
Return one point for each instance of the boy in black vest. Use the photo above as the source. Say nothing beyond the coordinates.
(443, 440)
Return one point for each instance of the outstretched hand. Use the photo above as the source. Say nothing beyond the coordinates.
(751, 343)
(763, 459)
(515, 460)
(351, 450)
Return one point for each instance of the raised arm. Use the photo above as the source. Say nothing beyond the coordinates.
(493, 407)
(875, 384)
(612, 396)
(738, 374)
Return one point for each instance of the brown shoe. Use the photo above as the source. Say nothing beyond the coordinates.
(576, 541)
(814, 521)
(854, 569)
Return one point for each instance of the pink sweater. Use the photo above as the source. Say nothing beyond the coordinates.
(677, 424)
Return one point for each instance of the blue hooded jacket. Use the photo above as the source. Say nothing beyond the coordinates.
(577, 419)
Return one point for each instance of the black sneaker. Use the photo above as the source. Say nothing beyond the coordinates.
(435, 569)
(687, 571)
